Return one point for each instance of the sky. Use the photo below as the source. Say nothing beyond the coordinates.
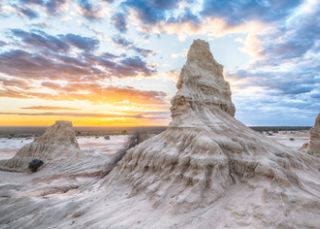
(116, 63)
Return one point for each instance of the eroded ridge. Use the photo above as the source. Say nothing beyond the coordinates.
(58, 142)
(205, 149)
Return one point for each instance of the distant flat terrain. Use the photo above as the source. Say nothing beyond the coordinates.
(29, 131)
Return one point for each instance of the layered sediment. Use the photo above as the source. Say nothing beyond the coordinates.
(314, 144)
(58, 142)
(205, 151)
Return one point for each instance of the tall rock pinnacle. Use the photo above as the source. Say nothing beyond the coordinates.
(201, 86)
(206, 155)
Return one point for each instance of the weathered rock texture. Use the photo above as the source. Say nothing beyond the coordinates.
(58, 142)
(314, 144)
(205, 151)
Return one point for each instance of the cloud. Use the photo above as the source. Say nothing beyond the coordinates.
(84, 43)
(92, 92)
(73, 114)
(124, 43)
(40, 66)
(22, 10)
(56, 6)
(98, 94)
(150, 115)
(52, 7)
(29, 13)
(40, 40)
(121, 41)
(52, 57)
(281, 37)
(48, 108)
(237, 12)
(287, 73)
(20, 83)
(92, 11)
(120, 22)
(296, 38)
(191, 13)
(150, 11)
(208, 26)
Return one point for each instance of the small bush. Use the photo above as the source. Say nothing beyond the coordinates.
(35, 164)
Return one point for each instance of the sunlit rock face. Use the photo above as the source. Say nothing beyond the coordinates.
(314, 144)
(201, 88)
(58, 142)
(205, 150)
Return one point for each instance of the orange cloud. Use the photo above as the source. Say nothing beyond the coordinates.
(85, 119)
(126, 106)
(91, 92)
(48, 108)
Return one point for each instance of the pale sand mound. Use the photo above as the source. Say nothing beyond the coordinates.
(57, 143)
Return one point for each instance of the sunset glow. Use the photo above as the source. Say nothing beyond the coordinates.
(115, 63)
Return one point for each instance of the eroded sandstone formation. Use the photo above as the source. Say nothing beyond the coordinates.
(314, 144)
(58, 142)
(205, 150)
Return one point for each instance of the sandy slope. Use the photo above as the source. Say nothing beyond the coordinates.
(291, 139)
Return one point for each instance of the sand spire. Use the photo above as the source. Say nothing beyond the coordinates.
(201, 88)
(205, 149)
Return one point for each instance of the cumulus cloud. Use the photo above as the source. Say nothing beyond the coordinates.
(287, 73)
(151, 13)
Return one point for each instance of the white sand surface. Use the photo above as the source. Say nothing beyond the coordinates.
(292, 139)
(9, 146)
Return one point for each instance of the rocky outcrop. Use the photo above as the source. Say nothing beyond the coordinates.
(205, 151)
(58, 142)
(314, 144)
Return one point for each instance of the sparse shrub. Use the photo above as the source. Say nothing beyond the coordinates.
(35, 164)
